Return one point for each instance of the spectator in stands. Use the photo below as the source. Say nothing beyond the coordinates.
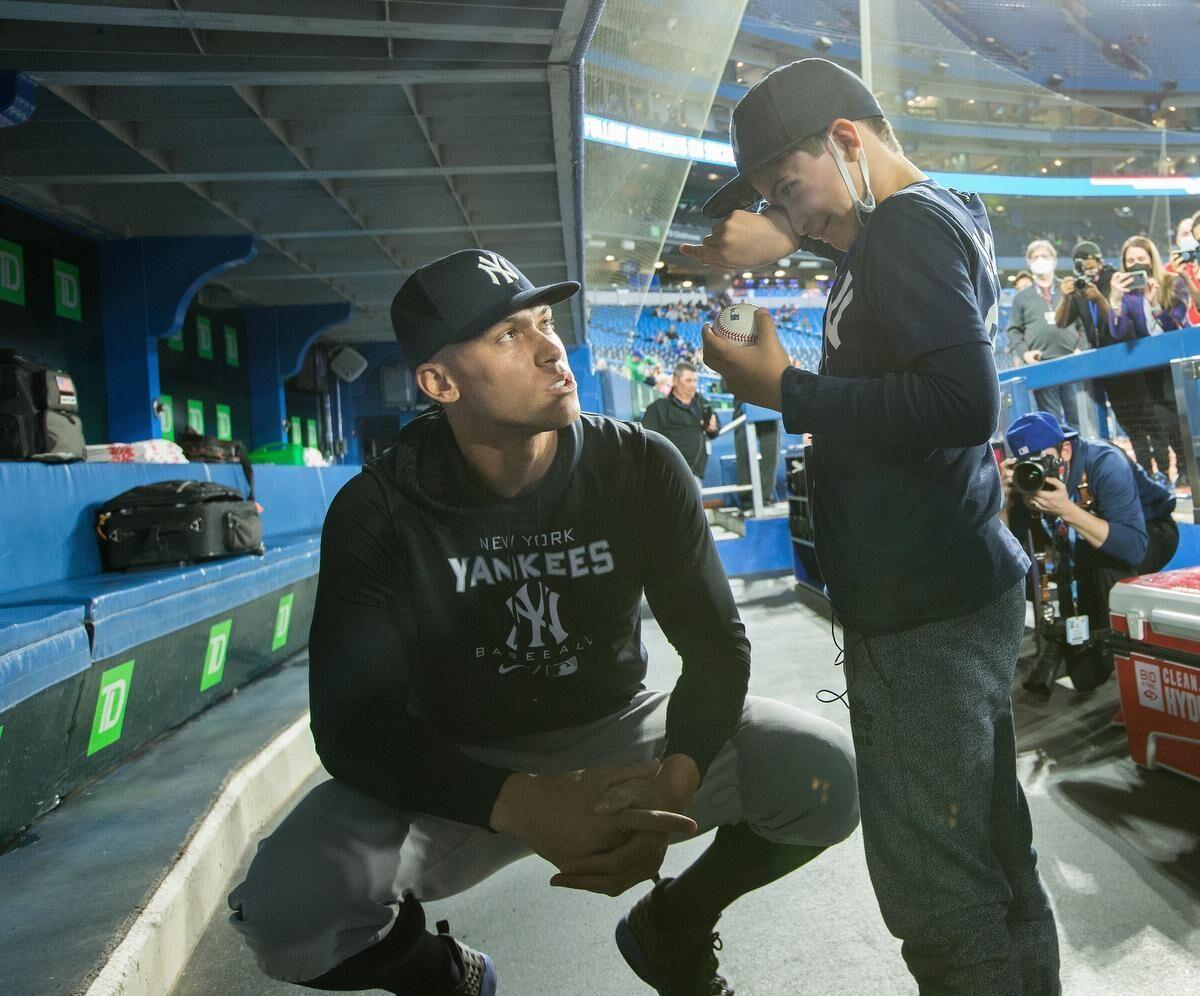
(1024, 279)
(1160, 305)
(1102, 519)
(1184, 262)
(476, 675)
(686, 418)
(1033, 332)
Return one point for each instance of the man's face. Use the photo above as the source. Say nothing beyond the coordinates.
(1091, 265)
(514, 376)
(810, 189)
(685, 385)
(1041, 252)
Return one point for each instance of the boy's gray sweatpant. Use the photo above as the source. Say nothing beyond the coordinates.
(946, 828)
(327, 883)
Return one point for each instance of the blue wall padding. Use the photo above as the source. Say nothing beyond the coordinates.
(28, 670)
(48, 532)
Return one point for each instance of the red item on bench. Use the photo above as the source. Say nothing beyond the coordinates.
(1156, 640)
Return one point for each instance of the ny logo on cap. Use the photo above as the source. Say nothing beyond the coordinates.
(496, 266)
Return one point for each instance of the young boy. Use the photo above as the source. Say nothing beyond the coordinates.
(925, 579)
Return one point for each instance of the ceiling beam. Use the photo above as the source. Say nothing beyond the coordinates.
(195, 70)
(286, 176)
(274, 24)
(519, 226)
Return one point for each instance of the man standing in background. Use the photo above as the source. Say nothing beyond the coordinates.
(1033, 334)
(686, 418)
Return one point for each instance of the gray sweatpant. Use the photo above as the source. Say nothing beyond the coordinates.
(945, 825)
(327, 883)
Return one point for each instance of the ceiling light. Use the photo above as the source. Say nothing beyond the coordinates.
(1171, 108)
(747, 275)
(714, 177)
(781, 273)
(821, 276)
(612, 259)
(740, 80)
(740, 64)
(1012, 278)
(659, 265)
(1044, 170)
(686, 283)
(971, 101)
(1057, 162)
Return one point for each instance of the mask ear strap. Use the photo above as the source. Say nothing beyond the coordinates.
(866, 204)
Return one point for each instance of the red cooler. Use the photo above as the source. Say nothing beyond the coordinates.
(1156, 644)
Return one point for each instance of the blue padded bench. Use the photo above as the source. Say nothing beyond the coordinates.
(40, 645)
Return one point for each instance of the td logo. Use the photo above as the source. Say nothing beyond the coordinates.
(12, 273)
(67, 301)
(110, 707)
(283, 620)
(214, 656)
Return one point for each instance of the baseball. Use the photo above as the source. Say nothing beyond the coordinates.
(736, 323)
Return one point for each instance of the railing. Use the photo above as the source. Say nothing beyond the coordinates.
(1179, 351)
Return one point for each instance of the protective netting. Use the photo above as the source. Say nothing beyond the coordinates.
(652, 64)
(972, 87)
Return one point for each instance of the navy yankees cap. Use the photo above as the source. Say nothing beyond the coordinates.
(459, 296)
(788, 105)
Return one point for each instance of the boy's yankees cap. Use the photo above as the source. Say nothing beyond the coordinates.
(788, 105)
(457, 297)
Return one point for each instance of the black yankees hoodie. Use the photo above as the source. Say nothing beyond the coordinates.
(446, 614)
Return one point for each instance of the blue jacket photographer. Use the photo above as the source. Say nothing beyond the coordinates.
(1105, 519)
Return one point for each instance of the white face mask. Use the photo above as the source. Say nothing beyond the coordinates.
(862, 207)
(1041, 266)
(1188, 242)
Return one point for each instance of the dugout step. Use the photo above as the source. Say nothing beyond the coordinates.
(74, 880)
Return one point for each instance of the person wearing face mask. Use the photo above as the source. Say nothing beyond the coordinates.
(1033, 334)
(924, 577)
(1184, 264)
(1159, 306)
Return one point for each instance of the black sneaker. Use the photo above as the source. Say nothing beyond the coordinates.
(477, 971)
(674, 961)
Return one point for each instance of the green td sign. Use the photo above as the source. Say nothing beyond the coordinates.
(283, 621)
(166, 417)
(109, 717)
(224, 423)
(68, 303)
(231, 346)
(195, 410)
(12, 273)
(204, 338)
(214, 656)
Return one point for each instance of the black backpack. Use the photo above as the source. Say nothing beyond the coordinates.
(177, 522)
(39, 412)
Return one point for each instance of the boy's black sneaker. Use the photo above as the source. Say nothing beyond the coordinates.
(675, 961)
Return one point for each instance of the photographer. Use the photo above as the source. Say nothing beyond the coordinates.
(1104, 520)
(1146, 301)
(1033, 332)
(1084, 302)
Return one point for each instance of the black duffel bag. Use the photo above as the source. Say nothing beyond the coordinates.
(39, 412)
(177, 522)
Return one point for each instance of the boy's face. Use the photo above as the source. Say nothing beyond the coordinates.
(810, 189)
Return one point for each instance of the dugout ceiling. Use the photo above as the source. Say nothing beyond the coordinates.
(355, 139)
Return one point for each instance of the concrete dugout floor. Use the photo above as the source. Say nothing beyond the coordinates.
(1119, 855)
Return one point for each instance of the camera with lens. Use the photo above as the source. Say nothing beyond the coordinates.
(1030, 475)
(1102, 280)
(1186, 255)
